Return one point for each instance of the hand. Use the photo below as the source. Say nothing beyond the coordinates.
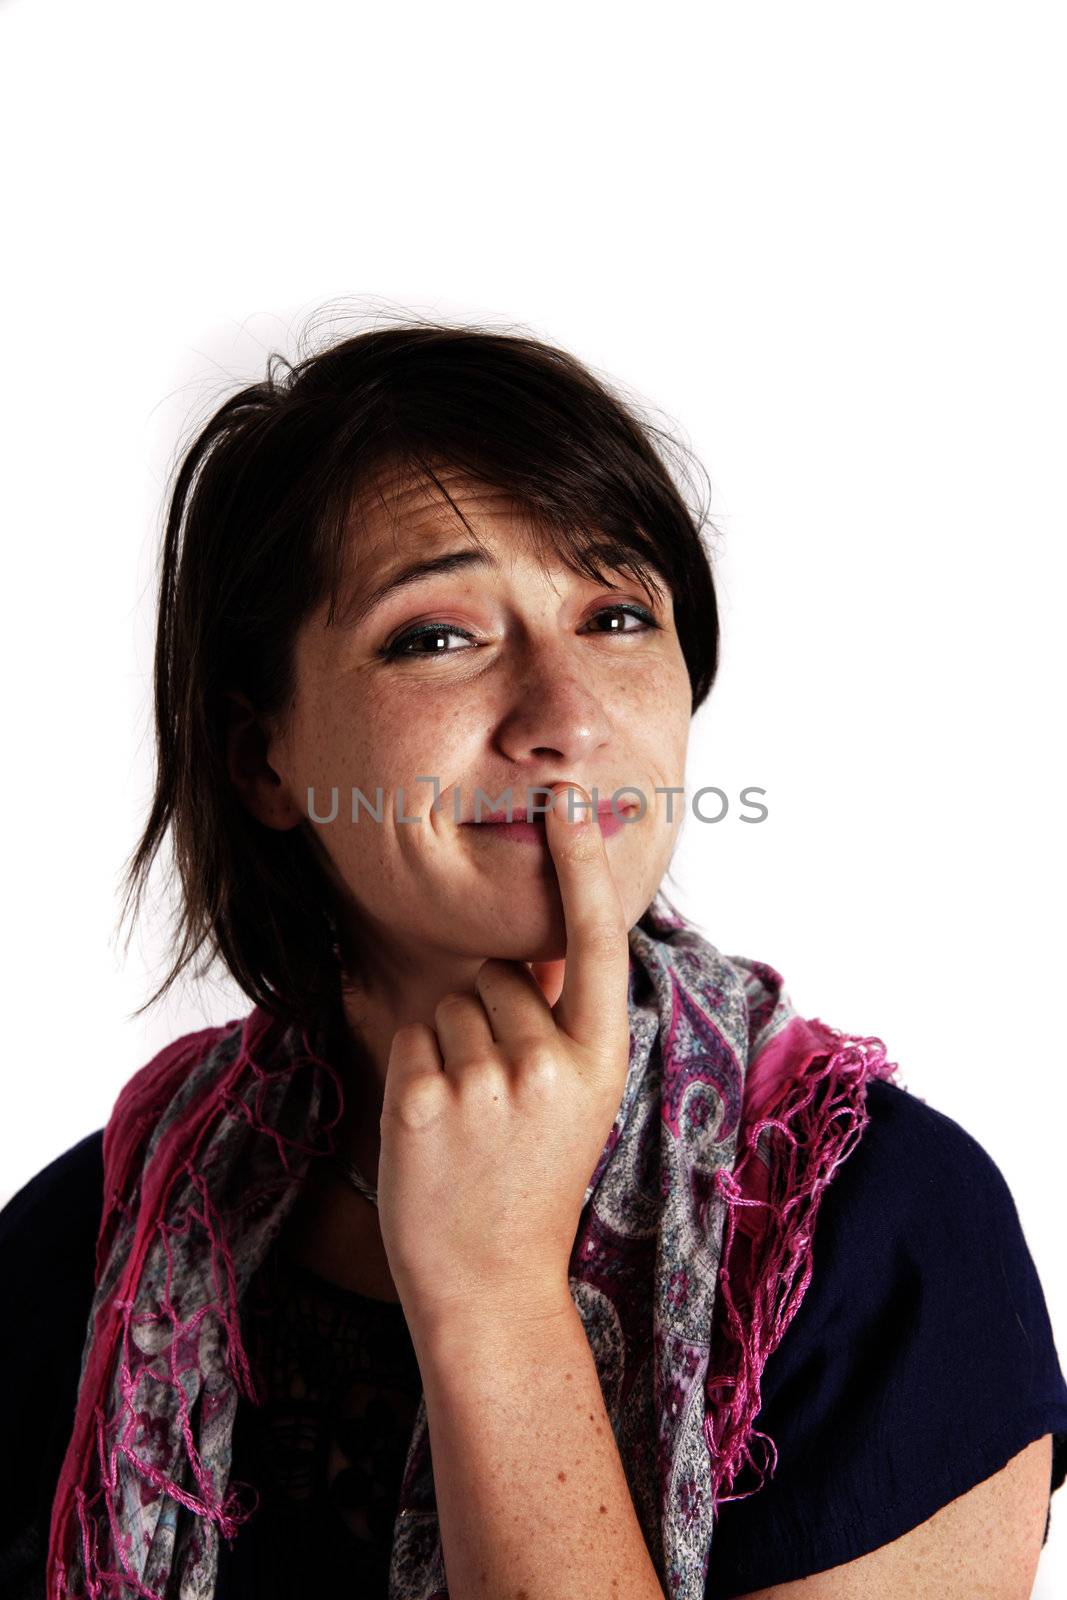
(493, 1120)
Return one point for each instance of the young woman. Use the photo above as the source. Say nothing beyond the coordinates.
(480, 1258)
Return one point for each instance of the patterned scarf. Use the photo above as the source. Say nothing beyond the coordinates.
(691, 1258)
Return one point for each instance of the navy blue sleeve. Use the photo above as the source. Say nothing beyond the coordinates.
(47, 1266)
(920, 1362)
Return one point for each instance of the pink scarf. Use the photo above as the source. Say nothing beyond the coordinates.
(691, 1259)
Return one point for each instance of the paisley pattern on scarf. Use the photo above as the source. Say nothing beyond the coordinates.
(734, 1115)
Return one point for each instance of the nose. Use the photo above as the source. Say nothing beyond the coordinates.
(554, 711)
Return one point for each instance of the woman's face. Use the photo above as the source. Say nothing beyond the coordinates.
(523, 675)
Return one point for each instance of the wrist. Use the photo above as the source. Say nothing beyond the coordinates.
(526, 1318)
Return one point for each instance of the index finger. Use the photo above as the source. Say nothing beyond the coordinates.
(592, 1006)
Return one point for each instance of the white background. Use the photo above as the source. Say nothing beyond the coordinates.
(824, 243)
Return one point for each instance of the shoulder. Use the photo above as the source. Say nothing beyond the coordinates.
(919, 1245)
(917, 1214)
(63, 1203)
(915, 1178)
(48, 1241)
(905, 1127)
(920, 1361)
(48, 1264)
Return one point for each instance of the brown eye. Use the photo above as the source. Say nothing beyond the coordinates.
(399, 648)
(638, 612)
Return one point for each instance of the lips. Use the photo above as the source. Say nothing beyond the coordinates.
(520, 814)
(532, 830)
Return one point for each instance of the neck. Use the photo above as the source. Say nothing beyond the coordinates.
(368, 1017)
(366, 1022)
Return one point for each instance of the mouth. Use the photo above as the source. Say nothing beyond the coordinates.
(531, 829)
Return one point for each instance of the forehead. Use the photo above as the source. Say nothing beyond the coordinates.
(402, 514)
(405, 526)
(399, 525)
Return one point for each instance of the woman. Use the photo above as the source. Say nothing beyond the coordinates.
(481, 1257)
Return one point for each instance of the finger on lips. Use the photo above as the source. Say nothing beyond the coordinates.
(509, 1007)
(592, 1006)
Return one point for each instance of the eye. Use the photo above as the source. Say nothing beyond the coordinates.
(638, 612)
(399, 648)
(406, 646)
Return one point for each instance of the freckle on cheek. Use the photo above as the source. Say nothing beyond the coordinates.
(562, 1476)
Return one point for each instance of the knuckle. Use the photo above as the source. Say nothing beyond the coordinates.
(418, 1106)
(537, 1064)
(479, 1068)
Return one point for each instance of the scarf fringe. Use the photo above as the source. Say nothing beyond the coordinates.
(224, 1511)
(819, 1117)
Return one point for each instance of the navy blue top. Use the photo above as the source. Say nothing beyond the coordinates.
(920, 1361)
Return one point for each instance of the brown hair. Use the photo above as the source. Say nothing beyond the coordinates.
(257, 525)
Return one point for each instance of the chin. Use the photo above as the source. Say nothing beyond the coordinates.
(527, 938)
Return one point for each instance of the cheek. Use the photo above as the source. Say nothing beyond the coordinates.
(370, 745)
(380, 746)
(659, 702)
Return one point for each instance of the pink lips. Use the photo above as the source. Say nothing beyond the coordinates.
(494, 824)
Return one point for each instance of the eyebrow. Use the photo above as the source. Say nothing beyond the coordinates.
(358, 608)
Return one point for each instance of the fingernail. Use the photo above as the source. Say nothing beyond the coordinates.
(574, 804)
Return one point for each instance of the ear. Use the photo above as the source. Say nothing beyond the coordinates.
(263, 791)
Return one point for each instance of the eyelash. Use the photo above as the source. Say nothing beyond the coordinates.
(395, 651)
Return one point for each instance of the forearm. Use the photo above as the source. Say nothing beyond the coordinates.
(531, 1494)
